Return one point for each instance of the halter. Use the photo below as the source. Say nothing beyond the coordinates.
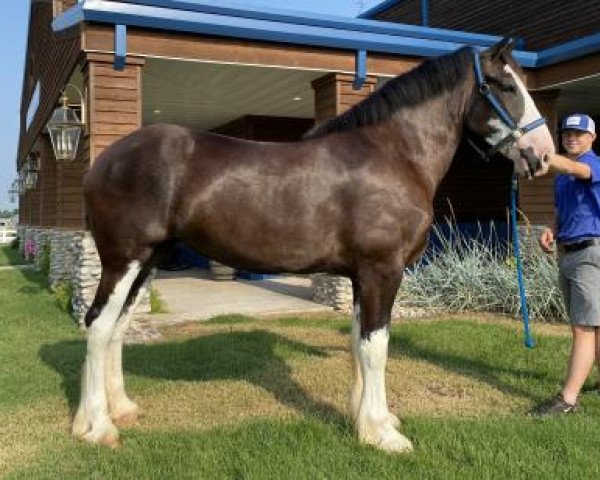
(503, 114)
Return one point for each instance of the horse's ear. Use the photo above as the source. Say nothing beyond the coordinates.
(502, 48)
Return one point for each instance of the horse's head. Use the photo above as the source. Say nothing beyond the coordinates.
(503, 112)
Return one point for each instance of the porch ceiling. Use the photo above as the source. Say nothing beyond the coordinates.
(207, 95)
(580, 96)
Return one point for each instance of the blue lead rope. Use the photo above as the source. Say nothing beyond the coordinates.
(529, 343)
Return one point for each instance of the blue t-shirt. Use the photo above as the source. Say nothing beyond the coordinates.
(578, 203)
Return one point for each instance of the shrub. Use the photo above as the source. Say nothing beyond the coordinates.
(471, 274)
(156, 303)
(44, 260)
(63, 294)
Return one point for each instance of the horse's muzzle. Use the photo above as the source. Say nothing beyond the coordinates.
(533, 163)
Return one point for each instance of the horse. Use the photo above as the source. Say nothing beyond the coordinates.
(353, 198)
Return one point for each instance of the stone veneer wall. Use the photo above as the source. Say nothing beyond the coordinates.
(332, 290)
(73, 259)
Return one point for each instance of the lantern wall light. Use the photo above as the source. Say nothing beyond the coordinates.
(65, 127)
(32, 167)
(21, 182)
(13, 191)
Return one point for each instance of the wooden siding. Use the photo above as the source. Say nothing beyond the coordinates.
(334, 94)
(50, 60)
(541, 23)
(565, 71)
(59, 6)
(115, 103)
(216, 49)
(47, 181)
(266, 129)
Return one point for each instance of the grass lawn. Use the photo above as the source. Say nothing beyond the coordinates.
(240, 397)
(10, 256)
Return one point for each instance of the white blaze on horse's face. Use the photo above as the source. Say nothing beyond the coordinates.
(539, 140)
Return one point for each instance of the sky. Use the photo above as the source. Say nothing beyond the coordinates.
(13, 43)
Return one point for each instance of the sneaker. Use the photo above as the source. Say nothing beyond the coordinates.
(555, 406)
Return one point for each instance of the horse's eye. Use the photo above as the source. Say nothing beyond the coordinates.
(502, 86)
(507, 87)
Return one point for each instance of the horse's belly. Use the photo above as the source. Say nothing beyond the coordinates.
(267, 250)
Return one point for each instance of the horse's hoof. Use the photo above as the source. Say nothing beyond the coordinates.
(109, 436)
(394, 442)
(126, 420)
(385, 437)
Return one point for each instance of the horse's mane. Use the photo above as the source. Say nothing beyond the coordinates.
(432, 78)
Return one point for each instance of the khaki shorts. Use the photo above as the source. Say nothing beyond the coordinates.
(580, 284)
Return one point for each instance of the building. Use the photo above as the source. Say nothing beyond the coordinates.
(264, 75)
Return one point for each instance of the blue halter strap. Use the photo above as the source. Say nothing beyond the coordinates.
(503, 114)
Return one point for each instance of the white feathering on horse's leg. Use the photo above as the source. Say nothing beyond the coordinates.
(123, 411)
(92, 415)
(375, 424)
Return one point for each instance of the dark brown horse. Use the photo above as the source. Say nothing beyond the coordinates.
(354, 198)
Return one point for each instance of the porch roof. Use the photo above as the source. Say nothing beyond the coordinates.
(229, 19)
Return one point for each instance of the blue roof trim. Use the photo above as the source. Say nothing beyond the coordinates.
(232, 9)
(248, 28)
(371, 12)
(231, 20)
(569, 50)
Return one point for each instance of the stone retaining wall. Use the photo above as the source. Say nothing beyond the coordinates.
(332, 290)
(73, 260)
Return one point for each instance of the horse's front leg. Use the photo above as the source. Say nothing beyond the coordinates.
(375, 424)
(122, 410)
(92, 422)
(357, 385)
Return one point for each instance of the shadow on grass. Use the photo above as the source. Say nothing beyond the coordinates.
(10, 256)
(37, 281)
(258, 357)
(488, 353)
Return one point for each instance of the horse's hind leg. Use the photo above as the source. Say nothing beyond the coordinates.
(375, 424)
(91, 421)
(121, 409)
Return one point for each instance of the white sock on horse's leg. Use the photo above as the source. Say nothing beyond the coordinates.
(122, 410)
(92, 415)
(374, 423)
(357, 387)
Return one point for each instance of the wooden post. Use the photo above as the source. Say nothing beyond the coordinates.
(114, 109)
(334, 94)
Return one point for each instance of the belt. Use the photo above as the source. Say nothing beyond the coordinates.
(576, 246)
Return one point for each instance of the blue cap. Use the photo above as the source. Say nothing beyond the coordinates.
(578, 121)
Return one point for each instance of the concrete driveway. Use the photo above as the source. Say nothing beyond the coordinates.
(193, 295)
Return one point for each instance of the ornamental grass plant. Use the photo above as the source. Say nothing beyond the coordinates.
(479, 274)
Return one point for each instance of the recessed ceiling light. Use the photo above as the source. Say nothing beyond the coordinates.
(158, 111)
(296, 98)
